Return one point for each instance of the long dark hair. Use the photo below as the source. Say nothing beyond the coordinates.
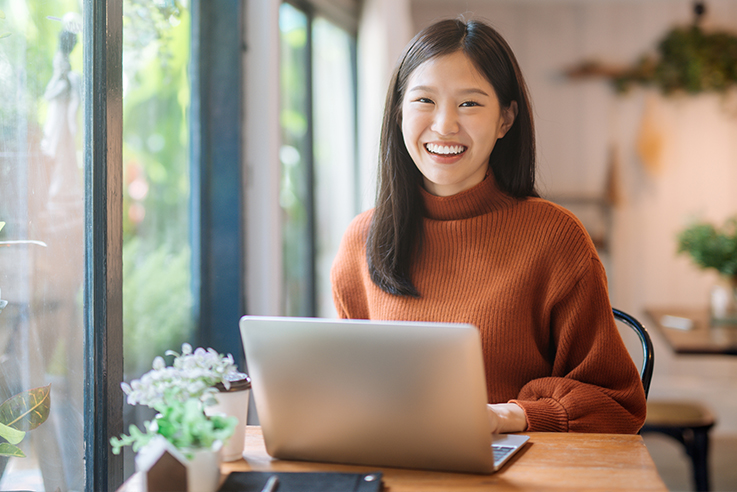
(395, 233)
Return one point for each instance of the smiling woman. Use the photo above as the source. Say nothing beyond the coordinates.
(459, 235)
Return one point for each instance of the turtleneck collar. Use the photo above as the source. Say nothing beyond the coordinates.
(481, 199)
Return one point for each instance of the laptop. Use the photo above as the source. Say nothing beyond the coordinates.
(378, 393)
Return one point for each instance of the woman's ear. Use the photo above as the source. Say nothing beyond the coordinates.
(509, 114)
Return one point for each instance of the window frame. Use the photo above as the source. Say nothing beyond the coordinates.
(103, 298)
(216, 180)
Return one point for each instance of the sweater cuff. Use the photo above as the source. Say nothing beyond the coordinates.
(544, 415)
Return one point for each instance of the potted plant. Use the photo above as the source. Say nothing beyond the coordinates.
(180, 393)
(715, 248)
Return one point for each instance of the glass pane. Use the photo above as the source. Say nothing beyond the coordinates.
(334, 148)
(42, 239)
(295, 155)
(157, 294)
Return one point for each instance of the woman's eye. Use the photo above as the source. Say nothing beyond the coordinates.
(424, 100)
(469, 104)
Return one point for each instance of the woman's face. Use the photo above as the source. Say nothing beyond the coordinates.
(451, 121)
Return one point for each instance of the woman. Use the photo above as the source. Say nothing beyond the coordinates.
(459, 234)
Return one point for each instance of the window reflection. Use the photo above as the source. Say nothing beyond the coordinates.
(318, 156)
(42, 241)
(296, 161)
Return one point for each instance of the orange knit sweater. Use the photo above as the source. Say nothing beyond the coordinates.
(526, 273)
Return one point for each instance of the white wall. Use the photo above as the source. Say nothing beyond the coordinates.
(384, 30)
(583, 127)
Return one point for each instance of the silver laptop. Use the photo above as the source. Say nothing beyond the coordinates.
(397, 394)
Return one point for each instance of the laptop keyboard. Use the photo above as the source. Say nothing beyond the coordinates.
(501, 452)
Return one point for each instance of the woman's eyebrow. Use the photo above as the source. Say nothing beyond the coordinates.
(462, 92)
(422, 88)
(474, 90)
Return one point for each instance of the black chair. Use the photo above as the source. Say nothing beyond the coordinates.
(688, 422)
(648, 354)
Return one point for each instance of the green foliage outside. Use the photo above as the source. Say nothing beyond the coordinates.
(294, 156)
(157, 298)
(712, 247)
(157, 303)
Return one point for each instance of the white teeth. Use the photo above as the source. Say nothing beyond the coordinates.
(445, 149)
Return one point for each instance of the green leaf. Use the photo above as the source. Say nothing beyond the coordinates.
(2, 14)
(4, 35)
(27, 410)
(10, 450)
(2, 224)
(13, 436)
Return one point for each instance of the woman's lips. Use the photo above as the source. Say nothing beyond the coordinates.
(445, 153)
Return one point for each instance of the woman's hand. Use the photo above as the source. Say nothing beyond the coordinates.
(506, 417)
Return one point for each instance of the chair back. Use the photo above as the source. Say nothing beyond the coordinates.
(648, 355)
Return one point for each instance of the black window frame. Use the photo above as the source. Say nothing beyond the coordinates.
(103, 298)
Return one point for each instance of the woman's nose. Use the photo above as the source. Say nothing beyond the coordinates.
(445, 121)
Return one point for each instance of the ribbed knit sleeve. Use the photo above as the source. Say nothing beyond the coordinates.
(527, 275)
(347, 273)
(593, 385)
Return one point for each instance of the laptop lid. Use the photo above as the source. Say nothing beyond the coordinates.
(400, 394)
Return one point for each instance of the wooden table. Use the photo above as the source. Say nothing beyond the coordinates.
(549, 462)
(703, 337)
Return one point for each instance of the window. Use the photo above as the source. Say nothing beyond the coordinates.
(42, 241)
(317, 153)
(70, 211)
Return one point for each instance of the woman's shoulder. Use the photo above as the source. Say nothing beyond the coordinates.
(558, 230)
(549, 215)
(357, 229)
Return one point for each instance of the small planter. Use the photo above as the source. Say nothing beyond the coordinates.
(724, 302)
(167, 468)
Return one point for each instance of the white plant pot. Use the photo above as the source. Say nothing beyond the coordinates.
(203, 471)
(233, 403)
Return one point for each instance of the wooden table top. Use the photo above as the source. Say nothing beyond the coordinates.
(550, 461)
(702, 338)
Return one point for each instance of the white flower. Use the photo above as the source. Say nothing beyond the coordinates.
(193, 374)
(159, 363)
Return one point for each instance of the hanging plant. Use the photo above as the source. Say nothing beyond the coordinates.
(687, 59)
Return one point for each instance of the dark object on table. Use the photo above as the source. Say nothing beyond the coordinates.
(304, 482)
